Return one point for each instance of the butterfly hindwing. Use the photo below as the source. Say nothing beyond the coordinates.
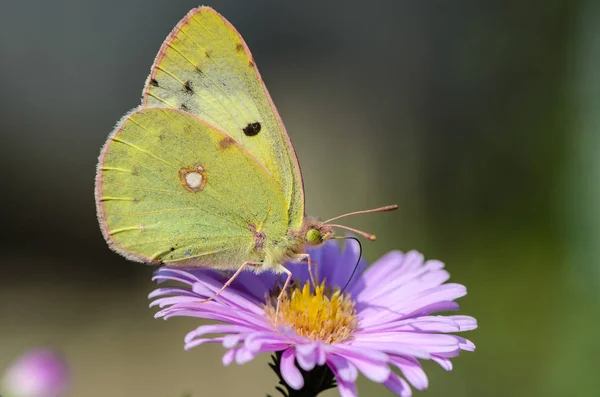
(205, 68)
(173, 189)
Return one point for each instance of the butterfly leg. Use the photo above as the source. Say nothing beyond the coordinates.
(285, 285)
(306, 257)
(228, 283)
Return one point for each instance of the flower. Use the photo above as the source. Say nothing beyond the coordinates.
(37, 373)
(383, 319)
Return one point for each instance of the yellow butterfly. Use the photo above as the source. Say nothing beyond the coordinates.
(203, 173)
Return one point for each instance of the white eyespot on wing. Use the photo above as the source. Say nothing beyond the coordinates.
(193, 179)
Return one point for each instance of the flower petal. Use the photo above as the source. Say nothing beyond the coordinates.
(321, 354)
(231, 340)
(432, 343)
(214, 329)
(343, 368)
(372, 363)
(464, 344)
(171, 291)
(229, 356)
(443, 362)
(398, 385)
(257, 340)
(394, 348)
(420, 324)
(209, 288)
(244, 355)
(289, 372)
(198, 342)
(345, 387)
(405, 306)
(412, 371)
(466, 323)
(379, 271)
(306, 355)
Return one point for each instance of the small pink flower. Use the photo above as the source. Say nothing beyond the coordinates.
(37, 373)
(380, 326)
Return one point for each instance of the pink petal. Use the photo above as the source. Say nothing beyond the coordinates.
(228, 296)
(321, 354)
(306, 355)
(398, 385)
(420, 324)
(379, 271)
(215, 329)
(243, 355)
(199, 342)
(175, 275)
(412, 371)
(394, 348)
(432, 343)
(255, 341)
(466, 323)
(372, 363)
(365, 353)
(343, 369)
(173, 300)
(171, 291)
(399, 286)
(346, 388)
(443, 362)
(408, 306)
(289, 372)
(377, 372)
(465, 344)
(216, 311)
(230, 341)
(229, 356)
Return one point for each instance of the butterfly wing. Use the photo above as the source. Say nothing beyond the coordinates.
(205, 68)
(173, 189)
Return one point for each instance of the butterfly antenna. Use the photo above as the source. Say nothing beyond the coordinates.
(380, 209)
(357, 262)
(371, 237)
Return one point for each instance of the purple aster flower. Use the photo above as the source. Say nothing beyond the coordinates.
(381, 325)
(37, 373)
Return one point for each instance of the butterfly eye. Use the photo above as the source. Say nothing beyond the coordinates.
(314, 237)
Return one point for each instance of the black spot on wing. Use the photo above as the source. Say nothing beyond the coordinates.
(153, 82)
(184, 107)
(188, 87)
(252, 129)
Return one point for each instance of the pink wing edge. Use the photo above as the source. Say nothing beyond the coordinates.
(168, 41)
(133, 256)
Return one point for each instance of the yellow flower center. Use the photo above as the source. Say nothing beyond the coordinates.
(317, 315)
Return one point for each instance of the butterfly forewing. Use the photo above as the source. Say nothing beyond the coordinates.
(171, 188)
(205, 68)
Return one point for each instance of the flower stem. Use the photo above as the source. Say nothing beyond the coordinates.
(319, 379)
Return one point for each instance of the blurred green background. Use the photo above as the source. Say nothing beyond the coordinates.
(480, 119)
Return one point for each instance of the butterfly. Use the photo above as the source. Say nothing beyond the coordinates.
(203, 173)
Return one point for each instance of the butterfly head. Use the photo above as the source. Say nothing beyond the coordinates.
(314, 232)
(318, 234)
